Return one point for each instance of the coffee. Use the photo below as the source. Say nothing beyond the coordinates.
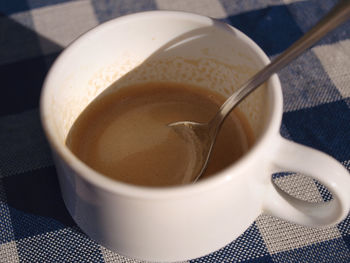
(124, 135)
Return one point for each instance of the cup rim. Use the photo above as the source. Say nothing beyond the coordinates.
(81, 169)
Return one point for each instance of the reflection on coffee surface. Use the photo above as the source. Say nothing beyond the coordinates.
(124, 135)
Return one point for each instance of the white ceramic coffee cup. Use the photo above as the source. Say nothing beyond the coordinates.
(183, 222)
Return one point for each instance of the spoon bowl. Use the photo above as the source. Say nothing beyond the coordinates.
(202, 138)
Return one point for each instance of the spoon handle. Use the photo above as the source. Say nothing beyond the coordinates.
(338, 15)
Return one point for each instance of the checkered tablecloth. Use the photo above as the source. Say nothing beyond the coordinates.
(34, 223)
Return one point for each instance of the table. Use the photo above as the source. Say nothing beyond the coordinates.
(34, 224)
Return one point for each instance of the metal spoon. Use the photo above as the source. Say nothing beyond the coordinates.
(203, 135)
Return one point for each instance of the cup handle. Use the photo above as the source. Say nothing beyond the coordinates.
(290, 156)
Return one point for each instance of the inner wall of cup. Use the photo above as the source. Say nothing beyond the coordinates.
(206, 54)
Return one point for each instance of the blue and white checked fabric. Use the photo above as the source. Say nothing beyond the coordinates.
(34, 224)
